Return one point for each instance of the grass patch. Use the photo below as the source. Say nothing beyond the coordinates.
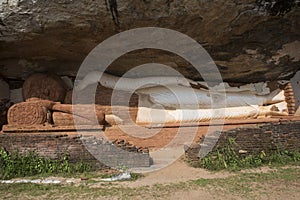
(31, 164)
(246, 185)
(227, 158)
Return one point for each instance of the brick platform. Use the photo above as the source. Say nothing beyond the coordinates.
(267, 137)
(250, 136)
(56, 145)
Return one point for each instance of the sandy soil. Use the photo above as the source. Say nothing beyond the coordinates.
(179, 171)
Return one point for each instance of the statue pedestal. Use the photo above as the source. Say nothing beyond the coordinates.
(86, 144)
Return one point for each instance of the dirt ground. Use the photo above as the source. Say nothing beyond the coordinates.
(179, 171)
(177, 181)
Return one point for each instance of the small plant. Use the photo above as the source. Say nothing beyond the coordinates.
(29, 164)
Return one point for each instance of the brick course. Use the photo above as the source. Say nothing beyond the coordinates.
(252, 139)
(266, 137)
(57, 145)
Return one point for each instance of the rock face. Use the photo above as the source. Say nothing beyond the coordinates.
(249, 40)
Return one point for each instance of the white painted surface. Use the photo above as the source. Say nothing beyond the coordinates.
(36, 181)
(172, 99)
(130, 84)
(113, 119)
(152, 115)
(260, 88)
(120, 177)
(181, 97)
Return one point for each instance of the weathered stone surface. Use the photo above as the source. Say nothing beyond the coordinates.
(16, 95)
(27, 113)
(4, 105)
(44, 86)
(67, 119)
(103, 96)
(247, 42)
(4, 90)
(67, 114)
(290, 99)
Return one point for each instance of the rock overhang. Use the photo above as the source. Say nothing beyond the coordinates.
(246, 42)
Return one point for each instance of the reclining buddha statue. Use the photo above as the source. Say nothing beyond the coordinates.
(164, 99)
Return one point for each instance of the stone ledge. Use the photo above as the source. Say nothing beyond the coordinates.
(50, 128)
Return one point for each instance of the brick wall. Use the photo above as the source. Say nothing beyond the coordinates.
(56, 145)
(252, 139)
(266, 137)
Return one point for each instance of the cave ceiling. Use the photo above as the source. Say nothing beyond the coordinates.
(249, 40)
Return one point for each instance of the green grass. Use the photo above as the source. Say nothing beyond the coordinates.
(234, 183)
(246, 185)
(31, 164)
(227, 158)
(240, 184)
